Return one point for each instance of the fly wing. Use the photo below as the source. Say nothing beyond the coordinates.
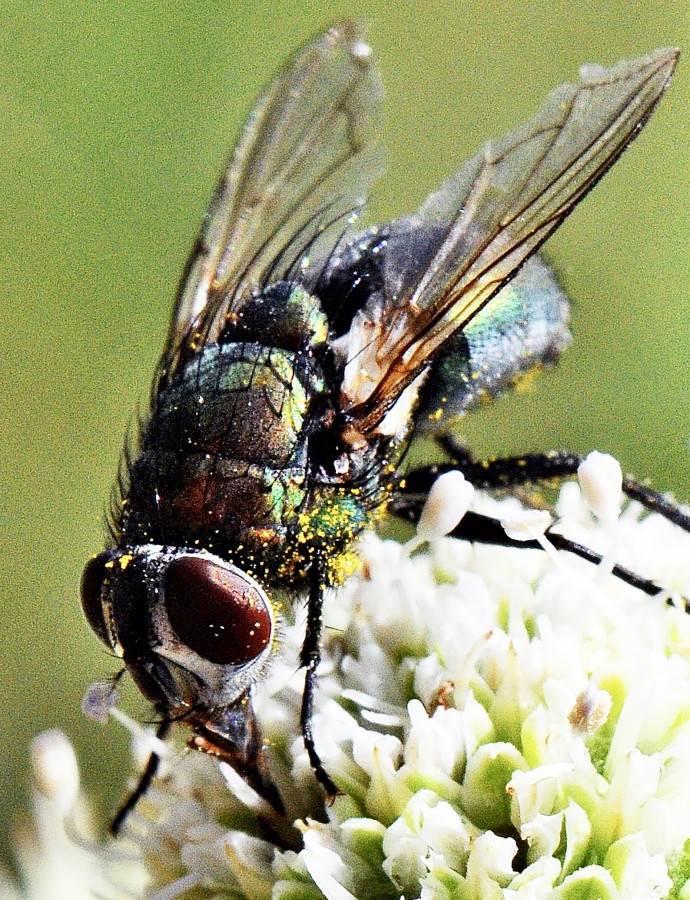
(307, 155)
(445, 263)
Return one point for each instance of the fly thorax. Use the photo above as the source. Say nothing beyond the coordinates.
(351, 486)
(283, 315)
(225, 449)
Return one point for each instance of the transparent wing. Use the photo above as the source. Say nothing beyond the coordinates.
(306, 158)
(445, 263)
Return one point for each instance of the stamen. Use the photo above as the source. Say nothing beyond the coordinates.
(448, 501)
(147, 740)
(99, 701)
(601, 483)
(99, 704)
(55, 769)
(590, 711)
(243, 792)
(530, 526)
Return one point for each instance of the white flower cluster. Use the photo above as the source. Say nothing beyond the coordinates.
(500, 726)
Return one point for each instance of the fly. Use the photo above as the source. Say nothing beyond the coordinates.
(303, 357)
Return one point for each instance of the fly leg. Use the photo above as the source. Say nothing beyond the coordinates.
(513, 472)
(142, 787)
(535, 468)
(310, 657)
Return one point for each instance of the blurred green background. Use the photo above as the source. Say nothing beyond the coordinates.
(115, 120)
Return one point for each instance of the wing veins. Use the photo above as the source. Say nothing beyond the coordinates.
(434, 308)
(558, 186)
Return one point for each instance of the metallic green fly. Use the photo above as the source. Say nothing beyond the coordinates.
(303, 357)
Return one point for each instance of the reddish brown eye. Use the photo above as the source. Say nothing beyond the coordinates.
(91, 585)
(217, 611)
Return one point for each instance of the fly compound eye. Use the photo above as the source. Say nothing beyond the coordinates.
(92, 580)
(217, 611)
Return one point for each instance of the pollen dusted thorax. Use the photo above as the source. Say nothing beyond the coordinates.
(225, 462)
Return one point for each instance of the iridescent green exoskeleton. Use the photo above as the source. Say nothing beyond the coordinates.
(302, 358)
